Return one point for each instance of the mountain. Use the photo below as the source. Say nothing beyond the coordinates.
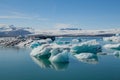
(13, 31)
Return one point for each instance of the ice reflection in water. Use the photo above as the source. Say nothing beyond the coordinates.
(45, 63)
(89, 58)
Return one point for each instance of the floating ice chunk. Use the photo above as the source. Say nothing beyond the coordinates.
(59, 55)
(41, 51)
(90, 46)
(87, 58)
(117, 34)
(75, 41)
(112, 46)
(34, 44)
(46, 49)
(112, 39)
(48, 40)
(62, 47)
(45, 41)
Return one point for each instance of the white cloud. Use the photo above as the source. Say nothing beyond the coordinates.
(14, 17)
(63, 25)
(24, 17)
(18, 15)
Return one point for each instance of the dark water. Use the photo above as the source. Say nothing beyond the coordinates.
(17, 64)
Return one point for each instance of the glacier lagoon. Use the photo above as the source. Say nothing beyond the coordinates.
(17, 64)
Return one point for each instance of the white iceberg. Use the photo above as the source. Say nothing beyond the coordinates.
(117, 34)
(34, 44)
(112, 39)
(41, 51)
(76, 41)
(46, 49)
(112, 46)
(87, 58)
(59, 55)
(90, 46)
(45, 41)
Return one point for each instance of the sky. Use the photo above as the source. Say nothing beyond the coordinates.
(52, 14)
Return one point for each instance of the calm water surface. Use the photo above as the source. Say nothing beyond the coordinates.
(17, 64)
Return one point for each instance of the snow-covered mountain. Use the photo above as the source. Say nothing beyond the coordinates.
(11, 30)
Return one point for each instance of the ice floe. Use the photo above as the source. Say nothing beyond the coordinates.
(112, 39)
(112, 46)
(41, 51)
(91, 46)
(59, 55)
(76, 41)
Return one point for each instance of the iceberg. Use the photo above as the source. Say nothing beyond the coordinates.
(41, 51)
(37, 43)
(46, 49)
(117, 34)
(45, 41)
(112, 39)
(48, 40)
(112, 46)
(76, 41)
(90, 46)
(59, 55)
(34, 44)
(87, 58)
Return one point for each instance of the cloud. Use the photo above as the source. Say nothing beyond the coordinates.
(14, 17)
(24, 17)
(18, 15)
(63, 25)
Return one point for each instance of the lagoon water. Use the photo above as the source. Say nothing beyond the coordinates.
(17, 64)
